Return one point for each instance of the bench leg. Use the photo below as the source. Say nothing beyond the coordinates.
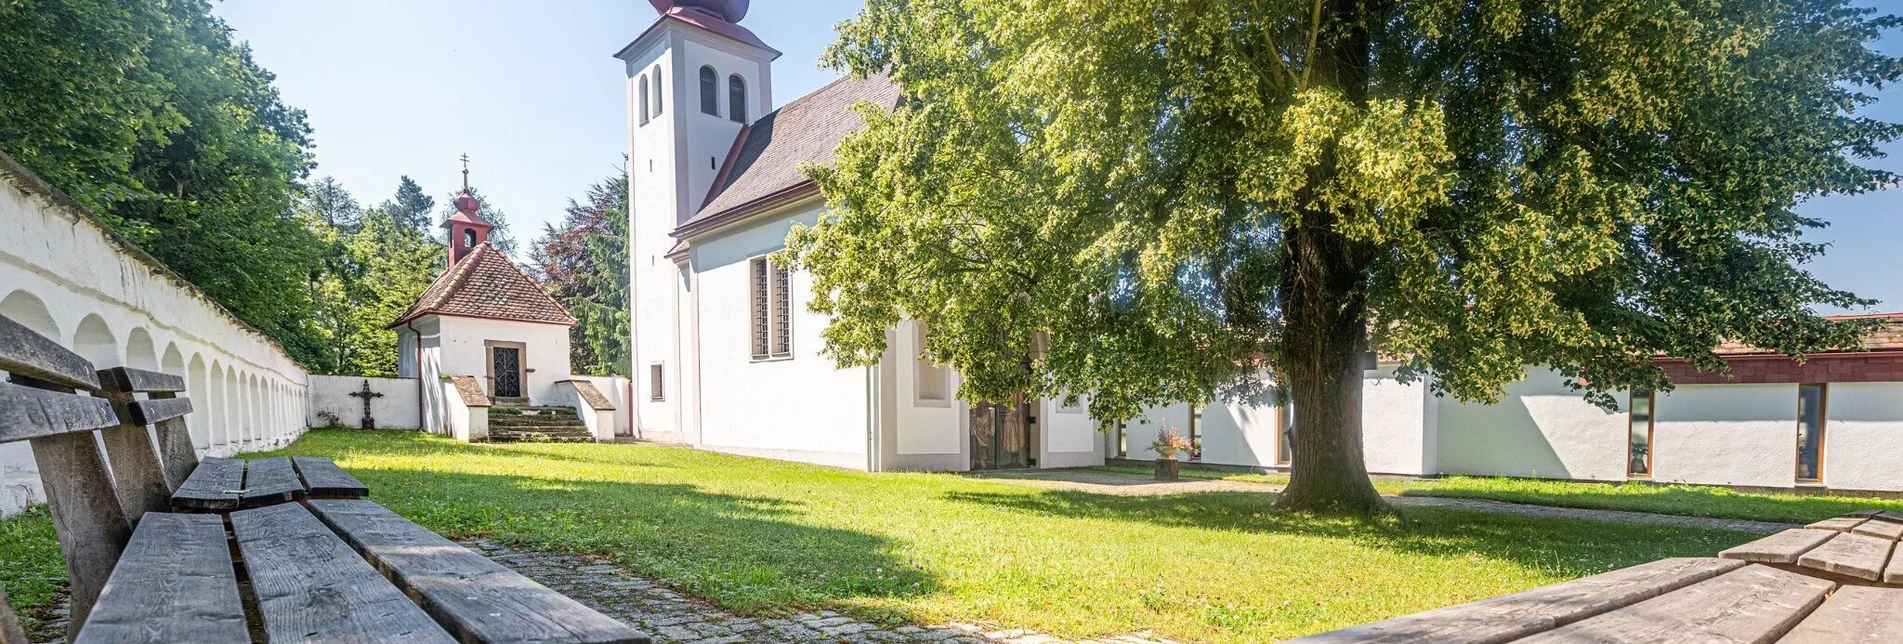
(92, 527)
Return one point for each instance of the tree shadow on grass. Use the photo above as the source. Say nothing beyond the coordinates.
(1687, 500)
(1563, 547)
(746, 553)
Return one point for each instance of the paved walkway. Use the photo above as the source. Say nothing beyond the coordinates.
(1112, 483)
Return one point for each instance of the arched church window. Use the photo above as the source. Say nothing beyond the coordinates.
(658, 101)
(709, 88)
(643, 99)
(736, 99)
(469, 238)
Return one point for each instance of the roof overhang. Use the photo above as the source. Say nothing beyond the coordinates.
(802, 194)
(702, 22)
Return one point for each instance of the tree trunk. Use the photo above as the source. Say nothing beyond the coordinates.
(1324, 338)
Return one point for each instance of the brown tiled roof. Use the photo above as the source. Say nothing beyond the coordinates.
(1887, 338)
(764, 163)
(485, 284)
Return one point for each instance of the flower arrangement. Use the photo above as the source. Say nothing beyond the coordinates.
(1169, 443)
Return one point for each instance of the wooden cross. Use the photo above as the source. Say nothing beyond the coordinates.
(366, 394)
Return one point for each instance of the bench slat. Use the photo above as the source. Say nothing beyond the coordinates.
(1781, 548)
(269, 481)
(1857, 555)
(477, 599)
(25, 353)
(1750, 604)
(176, 451)
(1505, 618)
(214, 485)
(150, 412)
(129, 379)
(1839, 524)
(29, 412)
(311, 587)
(1894, 573)
(1852, 614)
(322, 478)
(1884, 529)
(175, 583)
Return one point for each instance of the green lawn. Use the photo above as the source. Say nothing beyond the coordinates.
(31, 569)
(767, 536)
(1688, 500)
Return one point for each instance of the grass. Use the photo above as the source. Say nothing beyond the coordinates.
(1680, 499)
(31, 569)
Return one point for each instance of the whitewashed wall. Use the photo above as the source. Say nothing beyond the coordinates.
(1722, 435)
(545, 352)
(66, 276)
(618, 391)
(1539, 429)
(398, 407)
(1863, 436)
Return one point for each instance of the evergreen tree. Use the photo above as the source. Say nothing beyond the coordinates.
(584, 264)
(411, 208)
(328, 200)
(1183, 196)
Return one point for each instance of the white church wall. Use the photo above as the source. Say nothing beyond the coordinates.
(1238, 433)
(925, 427)
(655, 192)
(544, 355)
(799, 408)
(1863, 436)
(63, 274)
(399, 406)
(1069, 436)
(1740, 434)
(1394, 419)
(618, 390)
(1539, 429)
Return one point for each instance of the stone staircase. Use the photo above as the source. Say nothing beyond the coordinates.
(536, 425)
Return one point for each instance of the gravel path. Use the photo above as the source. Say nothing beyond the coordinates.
(1112, 483)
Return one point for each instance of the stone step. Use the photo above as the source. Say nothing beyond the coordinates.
(516, 436)
(539, 426)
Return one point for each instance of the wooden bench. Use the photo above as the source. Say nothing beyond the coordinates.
(1790, 587)
(140, 573)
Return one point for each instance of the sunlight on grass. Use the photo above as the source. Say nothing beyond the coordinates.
(769, 536)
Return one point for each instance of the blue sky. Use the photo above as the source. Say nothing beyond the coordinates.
(531, 92)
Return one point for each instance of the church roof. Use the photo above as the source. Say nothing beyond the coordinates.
(763, 166)
(485, 284)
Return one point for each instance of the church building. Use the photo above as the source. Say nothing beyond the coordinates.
(726, 354)
(483, 317)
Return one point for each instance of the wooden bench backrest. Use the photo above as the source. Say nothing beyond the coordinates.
(93, 508)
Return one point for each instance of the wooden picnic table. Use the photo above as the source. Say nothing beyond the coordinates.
(154, 538)
(1830, 582)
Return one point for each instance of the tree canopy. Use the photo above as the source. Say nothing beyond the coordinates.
(584, 264)
(1163, 202)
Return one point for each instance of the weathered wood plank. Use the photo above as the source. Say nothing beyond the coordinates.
(175, 583)
(323, 479)
(1839, 524)
(474, 598)
(176, 451)
(32, 412)
(140, 380)
(1783, 547)
(310, 586)
(137, 475)
(1864, 513)
(215, 485)
(150, 412)
(10, 630)
(270, 480)
(29, 354)
(1509, 617)
(1857, 555)
(1893, 574)
(1884, 529)
(1887, 515)
(87, 516)
(1852, 614)
(1750, 604)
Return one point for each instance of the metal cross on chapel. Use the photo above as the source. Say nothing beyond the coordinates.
(366, 394)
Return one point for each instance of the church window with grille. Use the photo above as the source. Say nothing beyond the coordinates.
(770, 309)
(709, 91)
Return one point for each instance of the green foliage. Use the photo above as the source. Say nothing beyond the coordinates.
(31, 568)
(1157, 201)
(371, 276)
(584, 264)
(411, 207)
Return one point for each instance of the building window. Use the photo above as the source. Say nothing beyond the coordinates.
(1639, 434)
(657, 383)
(642, 101)
(1119, 446)
(1810, 433)
(709, 91)
(1285, 414)
(934, 380)
(1195, 433)
(656, 74)
(770, 314)
(737, 98)
(469, 238)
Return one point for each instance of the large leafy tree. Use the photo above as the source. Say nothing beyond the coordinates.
(584, 264)
(1154, 201)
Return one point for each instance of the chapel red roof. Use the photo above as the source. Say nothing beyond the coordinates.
(485, 284)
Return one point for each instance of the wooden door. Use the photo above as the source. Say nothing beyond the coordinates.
(1001, 434)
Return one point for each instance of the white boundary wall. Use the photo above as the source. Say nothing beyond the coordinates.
(397, 408)
(64, 274)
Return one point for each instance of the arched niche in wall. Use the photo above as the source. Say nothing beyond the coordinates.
(94, 341)
(140, 353)
(220, 405)
(27, 309)
(198, 388)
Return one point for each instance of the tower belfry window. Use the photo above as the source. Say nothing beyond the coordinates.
(737, 98)
(642, 102)
(709, 91)
(658, 101)
(469, 238)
